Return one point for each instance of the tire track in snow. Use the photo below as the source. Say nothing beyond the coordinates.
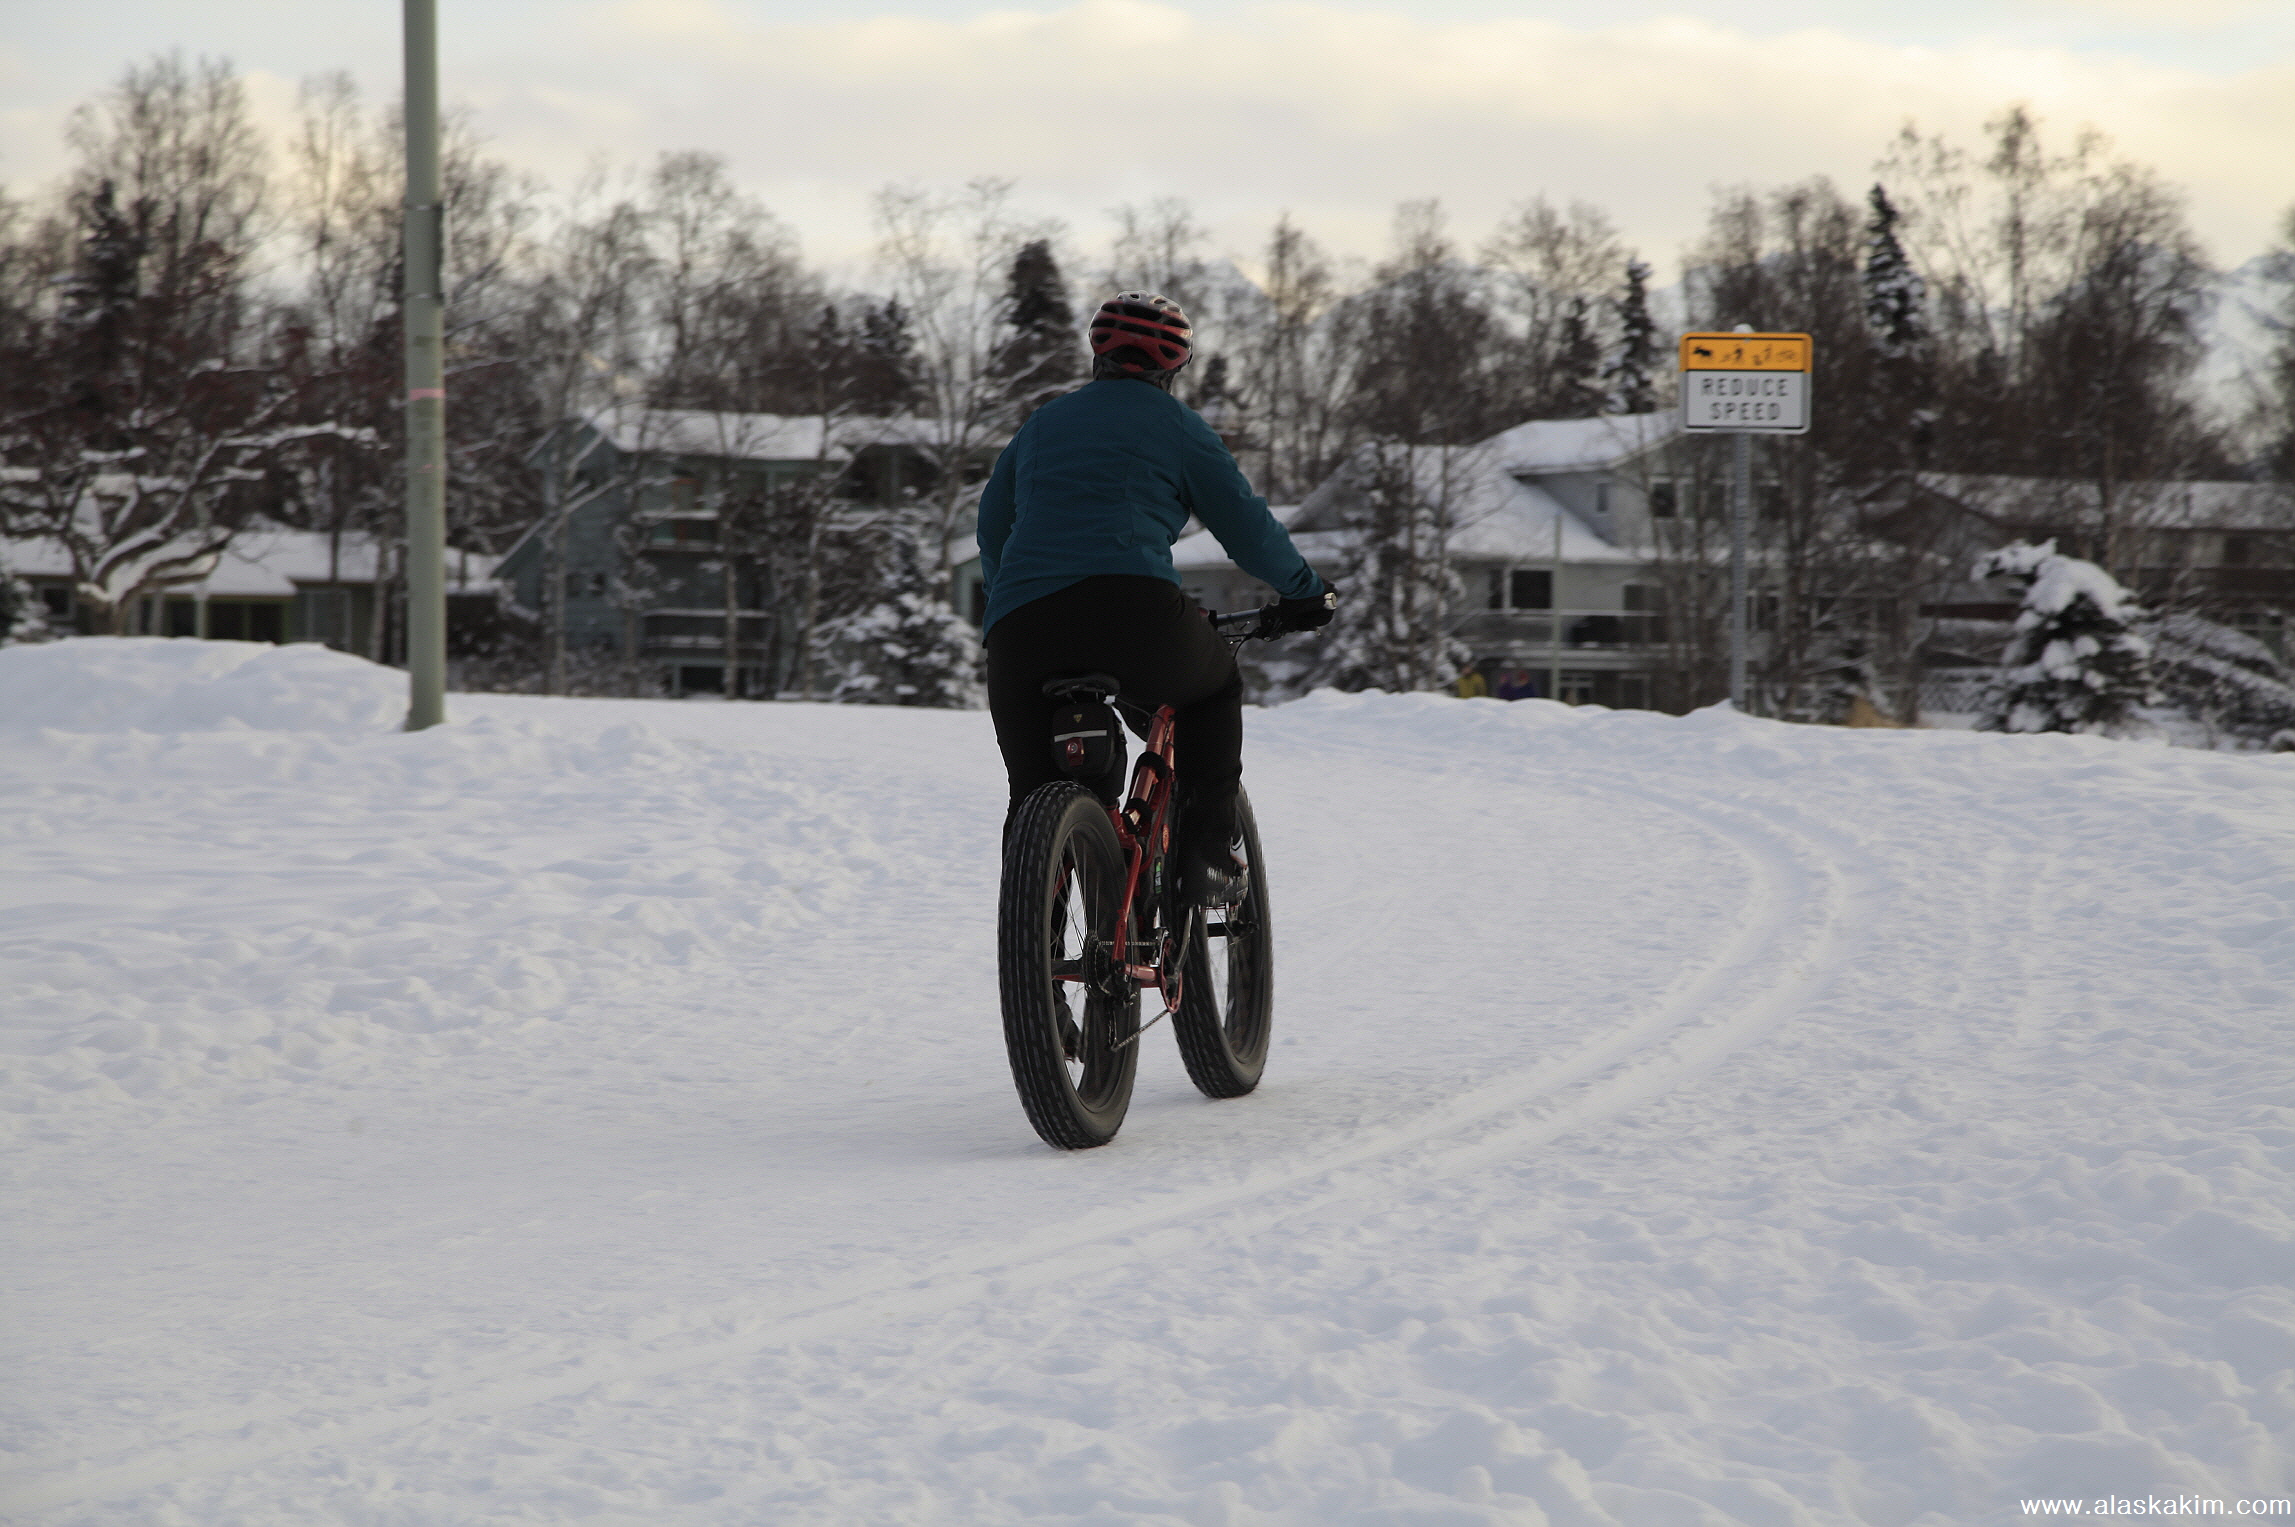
(1795, 933)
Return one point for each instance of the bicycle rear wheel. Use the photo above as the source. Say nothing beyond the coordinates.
(1227, 1002)
(1071, 1020)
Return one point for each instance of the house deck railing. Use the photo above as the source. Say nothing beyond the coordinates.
(684, 632)
(1581, 629)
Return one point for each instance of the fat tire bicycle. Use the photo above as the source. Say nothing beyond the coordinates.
(1090, 915)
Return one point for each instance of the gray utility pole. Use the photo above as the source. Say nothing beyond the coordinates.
(1740, 513)
(425, 321)
(1554, 618)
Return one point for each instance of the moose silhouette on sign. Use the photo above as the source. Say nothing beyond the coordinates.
(1702, 352)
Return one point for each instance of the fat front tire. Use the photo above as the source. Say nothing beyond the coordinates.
(1071, 1021)
(1227, 1002)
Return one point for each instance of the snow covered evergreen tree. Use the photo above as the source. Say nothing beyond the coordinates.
(1627, 376)
(1895, 296)
(1402, 592)
(2076, 662)
(905, 646)
(1041, 358)
(2230, 685)
(1898, 406)
(1578, 368)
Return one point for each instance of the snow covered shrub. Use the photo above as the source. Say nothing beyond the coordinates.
(23, 618)
(904, 646)
(2075, 662)
(2229, 684)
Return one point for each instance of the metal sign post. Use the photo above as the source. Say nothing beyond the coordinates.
(1744, 384)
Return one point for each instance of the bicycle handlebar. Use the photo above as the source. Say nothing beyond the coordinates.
(1242, 625)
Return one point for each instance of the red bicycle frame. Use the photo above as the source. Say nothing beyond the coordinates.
(1143, 826)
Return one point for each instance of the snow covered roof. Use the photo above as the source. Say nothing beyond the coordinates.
(1497, 517)
(1563, 445)
(262, 561)
(1499, 512)
(2172, 505)
(752, 437)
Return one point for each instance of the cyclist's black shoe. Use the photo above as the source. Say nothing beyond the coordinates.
(1219, 879)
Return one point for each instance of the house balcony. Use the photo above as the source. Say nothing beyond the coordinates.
(1582, 630)
(701, 633)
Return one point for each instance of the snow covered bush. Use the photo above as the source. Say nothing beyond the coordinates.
(2075, 662)
(23, 618)
(905, 646)
(2226, 683)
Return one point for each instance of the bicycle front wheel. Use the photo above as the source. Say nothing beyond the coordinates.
(1227, 1002)
(1071, 1020)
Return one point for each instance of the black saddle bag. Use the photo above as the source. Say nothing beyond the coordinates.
(1088, 742)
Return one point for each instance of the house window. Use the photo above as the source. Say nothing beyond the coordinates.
(683, 533)
(2236, 551)
(1522, 588)
(1577, 688)
(1602, 497)
(58, 598)
(684, 494)
(236, 620)
(1664, 504)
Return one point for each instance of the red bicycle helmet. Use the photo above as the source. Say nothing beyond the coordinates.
(1149, 326)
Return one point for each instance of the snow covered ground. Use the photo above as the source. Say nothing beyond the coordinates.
(595, 1112)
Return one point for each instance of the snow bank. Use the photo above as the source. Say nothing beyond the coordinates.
(596, 1111)
(150, 684)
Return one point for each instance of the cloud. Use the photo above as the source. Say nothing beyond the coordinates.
(1337, 114)
(1332, 113)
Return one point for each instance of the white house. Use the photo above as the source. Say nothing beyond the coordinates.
(271, 584)
(1548, 525)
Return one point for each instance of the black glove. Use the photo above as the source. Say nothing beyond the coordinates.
(1310, 614)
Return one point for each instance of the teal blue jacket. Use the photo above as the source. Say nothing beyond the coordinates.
(1102, 480)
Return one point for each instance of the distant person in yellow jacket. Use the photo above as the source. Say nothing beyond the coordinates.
(1473, 686)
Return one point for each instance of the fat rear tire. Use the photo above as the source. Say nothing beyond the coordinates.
(1056, 914)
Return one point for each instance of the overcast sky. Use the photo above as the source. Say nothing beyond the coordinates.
(1334, 111)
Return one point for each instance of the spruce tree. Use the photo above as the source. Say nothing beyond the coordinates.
(1899, 406)
(1895, 295)
(1393, 630)
(905, 646)
(1577, 385)
(2279, 444)
(1040, 360)
(2075, 662)
(885, 380)
(1631, 390)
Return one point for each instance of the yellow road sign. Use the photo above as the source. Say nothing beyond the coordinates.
(1745, 352)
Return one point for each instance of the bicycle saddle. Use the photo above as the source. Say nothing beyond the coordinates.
(1083, 686)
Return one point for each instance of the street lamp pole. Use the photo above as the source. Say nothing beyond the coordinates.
(424, 316)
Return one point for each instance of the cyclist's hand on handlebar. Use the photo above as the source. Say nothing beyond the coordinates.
(1309, 614)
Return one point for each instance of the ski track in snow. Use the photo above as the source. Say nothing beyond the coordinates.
(1852, 1128)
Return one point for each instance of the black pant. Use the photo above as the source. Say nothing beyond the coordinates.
(1157, 644)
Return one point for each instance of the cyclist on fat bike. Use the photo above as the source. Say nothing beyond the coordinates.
(1076, 528)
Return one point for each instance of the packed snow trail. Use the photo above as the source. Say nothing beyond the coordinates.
(596, 1111)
